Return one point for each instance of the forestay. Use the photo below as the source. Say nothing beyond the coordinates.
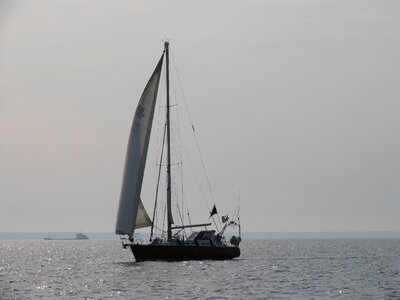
(131, 212)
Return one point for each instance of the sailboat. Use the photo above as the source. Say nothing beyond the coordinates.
(175, 244)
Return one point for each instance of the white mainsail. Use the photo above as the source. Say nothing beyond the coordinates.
(131, 212)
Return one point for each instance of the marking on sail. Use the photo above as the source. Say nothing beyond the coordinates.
(140, 111)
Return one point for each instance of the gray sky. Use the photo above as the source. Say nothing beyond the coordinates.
(296, 103)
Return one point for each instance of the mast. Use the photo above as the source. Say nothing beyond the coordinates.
(169, 213)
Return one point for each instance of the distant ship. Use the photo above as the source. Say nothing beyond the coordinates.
(78, 236)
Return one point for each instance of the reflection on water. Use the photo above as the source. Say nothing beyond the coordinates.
(348, 269)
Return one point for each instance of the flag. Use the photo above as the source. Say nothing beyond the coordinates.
(224, 218)
(213, 211)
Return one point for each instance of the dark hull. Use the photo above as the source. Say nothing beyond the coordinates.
(186, 252)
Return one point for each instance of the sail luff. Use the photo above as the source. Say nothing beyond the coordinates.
(135, 161)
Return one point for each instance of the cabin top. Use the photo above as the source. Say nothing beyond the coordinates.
(202, 235)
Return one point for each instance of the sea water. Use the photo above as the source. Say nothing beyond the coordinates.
(267, 269)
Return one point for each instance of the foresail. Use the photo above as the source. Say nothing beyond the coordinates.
(135, 161)
(142, 218)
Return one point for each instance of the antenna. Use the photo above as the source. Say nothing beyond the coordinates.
(238, 210)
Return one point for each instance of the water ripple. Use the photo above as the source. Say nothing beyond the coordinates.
(267, 269)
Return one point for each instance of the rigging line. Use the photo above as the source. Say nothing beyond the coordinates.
(215, 223)
(173, 91)
(182, 195)
(199, 185)
(158, 184)
(194, 132)
(174, 164)
(176, 132)
(238, 209)
(159, 153)
(184, 203)
(191, 122)
(180, 214)
(181, 88)
(235, 214)
(163, 225)
(176, 136)
(195, 175)
(161, 207)
(160, 229)
(190, 221)
(177, 129)
(158, 148)
(175, 192)
(160, 96)
(205, 171)
(171, 105)
(197, 144)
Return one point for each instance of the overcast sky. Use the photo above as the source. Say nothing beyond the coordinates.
(295, 103)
